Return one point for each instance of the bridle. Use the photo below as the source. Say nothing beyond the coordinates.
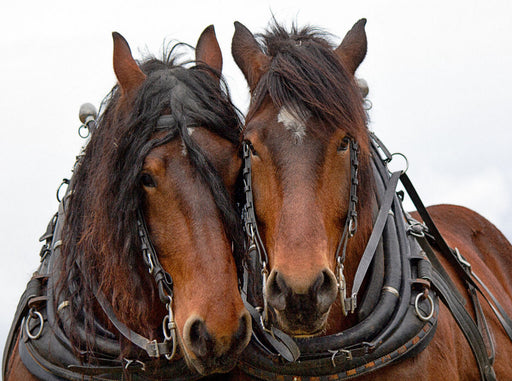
(255, 243)
(163, 281)
(281, 341)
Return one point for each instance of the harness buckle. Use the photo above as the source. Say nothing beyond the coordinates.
(417, 230)
(152, 349)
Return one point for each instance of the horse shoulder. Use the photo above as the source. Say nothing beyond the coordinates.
(16, 370)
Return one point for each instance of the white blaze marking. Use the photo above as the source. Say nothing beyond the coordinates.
(293, 123)
(190, 130)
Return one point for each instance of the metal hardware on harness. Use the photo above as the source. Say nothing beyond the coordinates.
(420, 314)
(33, 313)
(63, 304)
(348, 305)
(462, 260)
(151, 266)
(64, 182)
(130, 363)
(87, 115)
(405, 158)
(391, 290)
(169, 329)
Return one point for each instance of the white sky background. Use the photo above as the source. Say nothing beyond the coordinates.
(438, 71)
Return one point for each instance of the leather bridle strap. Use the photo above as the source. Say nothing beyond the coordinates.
(277, 339)
(152, 347)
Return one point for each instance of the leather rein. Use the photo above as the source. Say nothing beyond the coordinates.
(378, 339)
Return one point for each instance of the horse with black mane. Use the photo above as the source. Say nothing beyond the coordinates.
(341, 281)
(143, 254)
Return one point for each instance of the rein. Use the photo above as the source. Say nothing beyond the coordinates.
(398, 313)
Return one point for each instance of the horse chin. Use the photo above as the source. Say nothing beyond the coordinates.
(298, 327)
(210, 366)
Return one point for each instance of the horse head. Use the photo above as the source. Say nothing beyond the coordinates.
(305, 124)
(165, 151)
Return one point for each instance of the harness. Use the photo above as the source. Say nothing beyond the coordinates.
(44, 346)
(399, 310)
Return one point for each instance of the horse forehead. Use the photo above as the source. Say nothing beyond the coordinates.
(294, 122)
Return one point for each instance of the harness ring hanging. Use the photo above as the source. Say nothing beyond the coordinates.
(418, 310)
(40, 330)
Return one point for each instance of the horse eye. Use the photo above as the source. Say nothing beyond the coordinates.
(147, 180)
(343, 146)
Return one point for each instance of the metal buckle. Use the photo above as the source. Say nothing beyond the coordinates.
(151, 266)
(152, 349)
(416, 230)
(346, 352)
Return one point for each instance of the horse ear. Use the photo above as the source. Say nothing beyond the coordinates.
(208, 49)
(248, 55)
(128, 73)
(352, 49)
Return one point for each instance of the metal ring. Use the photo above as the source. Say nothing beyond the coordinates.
(64, 182)
(405, 158)
(84, 135)
(419, 312)
(27, 329)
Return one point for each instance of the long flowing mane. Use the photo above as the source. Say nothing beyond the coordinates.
(307, 77)
(101, 247)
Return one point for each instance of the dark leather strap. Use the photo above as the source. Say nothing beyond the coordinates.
(152, 347)
(278, 340)
(376, 235)
(463, 269)
(467, 326)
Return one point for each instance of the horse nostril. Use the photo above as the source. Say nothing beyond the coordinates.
(325, 289)
(276, 291)
(198, 337)
(243, 333)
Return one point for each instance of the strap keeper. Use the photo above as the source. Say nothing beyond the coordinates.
(152, 349)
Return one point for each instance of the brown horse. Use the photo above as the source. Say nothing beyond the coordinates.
(315, 202)
(154, 190)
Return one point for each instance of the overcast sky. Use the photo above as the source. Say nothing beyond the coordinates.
(438, 71)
